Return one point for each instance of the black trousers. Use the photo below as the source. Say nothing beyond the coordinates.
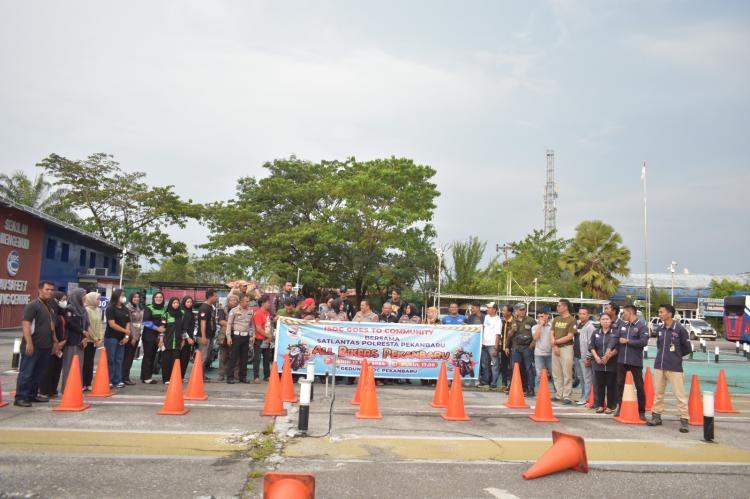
(622, 370)
(267, 353)
(239, 353)
(127, 360)
(606, 388)
(88, 364)
(167, 362)
(150, 342)
(185, 352)
(51, 377)
(505, 367)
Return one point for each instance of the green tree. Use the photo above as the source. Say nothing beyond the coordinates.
(121, 206)
(466, 276)
(364, 224)
(36, 193)
(725, 287)
(176, 268)
(595, 256)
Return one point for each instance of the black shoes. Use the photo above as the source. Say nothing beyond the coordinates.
(128, 382)
(683, 425)
(22, 403)
(40, 399)
(231, 381)
(655, 420)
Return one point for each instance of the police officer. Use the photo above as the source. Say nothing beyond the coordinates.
(673, 343)
(523, 344)
(239, 332)
(632, 336)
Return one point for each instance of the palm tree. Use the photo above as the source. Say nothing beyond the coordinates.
(595, 256)
(36, 193)
(465, 276)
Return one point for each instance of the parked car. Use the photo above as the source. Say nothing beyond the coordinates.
(653, 325)
(698, 328)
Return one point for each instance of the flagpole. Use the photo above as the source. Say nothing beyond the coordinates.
(645, 246)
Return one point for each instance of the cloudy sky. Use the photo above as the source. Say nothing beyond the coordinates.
(200, 93)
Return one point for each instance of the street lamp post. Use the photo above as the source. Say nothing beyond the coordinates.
(439, 253)
(536, 281)
(122, 263)
(672, 269)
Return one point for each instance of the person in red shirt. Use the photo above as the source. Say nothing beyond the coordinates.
(263, 339)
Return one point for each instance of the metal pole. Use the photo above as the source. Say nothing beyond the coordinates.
(122, 263)
(536, 279)
(439, 252)
(645, 245)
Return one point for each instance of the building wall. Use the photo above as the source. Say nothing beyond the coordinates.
(68, 256)
(20, 254)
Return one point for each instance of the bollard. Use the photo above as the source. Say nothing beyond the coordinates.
(703, 346)
(645, 352)
(311, 379)
(737, 347)
(746, 349)
(16, 359)
(716, 355)
(305, 394)
(692, 349)
(708, 416)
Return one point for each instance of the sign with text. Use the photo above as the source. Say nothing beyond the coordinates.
(394, 350)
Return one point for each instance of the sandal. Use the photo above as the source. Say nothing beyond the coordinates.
(600, 410)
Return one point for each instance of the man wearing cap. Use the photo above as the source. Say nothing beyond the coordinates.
(522, 342)
(239, 334)
(490, 344)
(348, 307)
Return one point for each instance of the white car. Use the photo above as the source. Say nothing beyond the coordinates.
(698, 328)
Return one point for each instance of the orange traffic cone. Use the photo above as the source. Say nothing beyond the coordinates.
(695, 403)
(2, 404)
(273, 405)
(629, 404)
(100, 388)
(515, 397)
(195, 389)
(72, 399)
(360, 382)
(174, 404)
(543, 408)
(722, 402)
(648, 387)
(288, 485)
(456, 410)
(567, 452)
(441, 389)
(368, 409)
(287, 382)
(590, 402)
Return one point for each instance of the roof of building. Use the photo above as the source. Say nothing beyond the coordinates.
(681, 280)
(56, 222)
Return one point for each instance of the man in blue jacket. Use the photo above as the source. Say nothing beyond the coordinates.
(673, 343)
(632, 336)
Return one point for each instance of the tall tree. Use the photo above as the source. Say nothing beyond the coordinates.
(36, 193)
(121, 206)
(725, 287)
(595, 257)
(466, 276)
(338, 222)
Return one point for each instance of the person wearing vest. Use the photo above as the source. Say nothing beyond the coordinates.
(523, 347)
(239, 333)
(188, 334)
(153, 316)
(170, 341)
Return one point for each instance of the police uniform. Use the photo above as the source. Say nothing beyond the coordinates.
(240, 328)
(523, 353)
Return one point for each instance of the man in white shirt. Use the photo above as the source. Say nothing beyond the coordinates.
(492, 327)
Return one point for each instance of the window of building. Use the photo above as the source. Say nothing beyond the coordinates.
(82, 259)
(113, 268)
(51, 248)
(92, 260)
(105, 263)
(65, 252)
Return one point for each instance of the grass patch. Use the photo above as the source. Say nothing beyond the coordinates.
(268, 430)
(262, 447)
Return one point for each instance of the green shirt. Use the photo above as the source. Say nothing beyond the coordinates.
(563, 326)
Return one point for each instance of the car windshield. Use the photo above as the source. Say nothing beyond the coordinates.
(700, 323)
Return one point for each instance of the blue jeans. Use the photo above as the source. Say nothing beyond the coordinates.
(30, 372)
(544, 362)
(525, 356)
(488, 373)
(115, 354)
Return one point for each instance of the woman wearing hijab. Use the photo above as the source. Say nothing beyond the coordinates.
(410, 315)
(337, 312)
(153, 315)
(188, 333)
(170, 341)
(93, 339)
(136, 327)
(116, 335)
(77, 320)
(51, 378)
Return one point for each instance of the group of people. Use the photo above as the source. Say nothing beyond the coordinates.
(57, 328)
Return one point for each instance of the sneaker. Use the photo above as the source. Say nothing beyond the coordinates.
(149, 381)
(22, 403)
(655, 420)
(166, 382)
(581, 402)
(554, 398)
(120, 385)
(477, 384)
(567, 402)
(493, 387)
(221, 378)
